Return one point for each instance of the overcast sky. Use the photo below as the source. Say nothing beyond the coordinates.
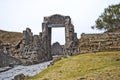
(16, 15)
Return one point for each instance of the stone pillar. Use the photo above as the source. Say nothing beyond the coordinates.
(49, 40)
(36, 41)
(46, 40)
(67, 36)
(27, 36)
(71, 38)
(40, 36)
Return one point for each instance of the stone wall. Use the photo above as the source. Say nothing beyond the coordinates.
(57, 49)
(5, 58)
(30, 49)
(99, 42)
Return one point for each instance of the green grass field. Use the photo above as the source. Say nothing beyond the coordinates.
(92, 66)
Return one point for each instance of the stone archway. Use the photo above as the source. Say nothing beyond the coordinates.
(32, 49)
(58, 21)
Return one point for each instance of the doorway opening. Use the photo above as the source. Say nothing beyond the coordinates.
(58, 35)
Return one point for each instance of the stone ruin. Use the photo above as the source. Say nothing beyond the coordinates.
(37, 48)
(99, 42)
(34, 49)
(30, 49)
(71, 41)
(57, 49)
(5, 58)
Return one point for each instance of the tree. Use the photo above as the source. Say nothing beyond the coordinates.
(109, 19)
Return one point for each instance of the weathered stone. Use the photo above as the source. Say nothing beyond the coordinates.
(30, 49)
(57, 49)
(34, 49)
(36, 41)
(56, 21)
(56, 58)
(19, 77)
(99, 42)
(6, 60)
(28, 35)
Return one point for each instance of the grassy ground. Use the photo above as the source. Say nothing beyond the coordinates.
(93, 66)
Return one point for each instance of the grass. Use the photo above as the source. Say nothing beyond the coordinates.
(99, 66)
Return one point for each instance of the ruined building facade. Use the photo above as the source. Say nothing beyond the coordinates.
(70, 36)
(37, 48)
(30, 49)
(33, 49)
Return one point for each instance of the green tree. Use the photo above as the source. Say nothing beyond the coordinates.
(109, 19)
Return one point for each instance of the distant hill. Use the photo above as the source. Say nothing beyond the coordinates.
(10, 37)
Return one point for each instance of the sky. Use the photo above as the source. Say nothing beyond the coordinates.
(16, 15)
